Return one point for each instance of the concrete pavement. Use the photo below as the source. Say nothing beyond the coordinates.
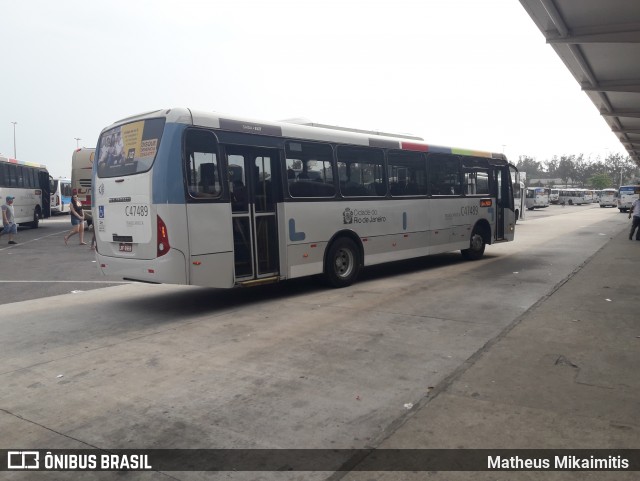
(564, 375)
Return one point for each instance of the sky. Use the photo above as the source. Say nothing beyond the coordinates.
(461, 73)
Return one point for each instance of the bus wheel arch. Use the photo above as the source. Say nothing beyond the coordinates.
(480, 237)
(343, 259)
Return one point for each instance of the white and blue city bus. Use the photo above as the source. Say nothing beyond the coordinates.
(29, 184)
(188, 197)
(537, 197)
(626, 195)
(609, 198)
(60, 195)
(573, 196)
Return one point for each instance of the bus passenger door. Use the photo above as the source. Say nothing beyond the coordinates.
(252, 187)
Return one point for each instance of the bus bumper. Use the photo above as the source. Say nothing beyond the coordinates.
(168, 269)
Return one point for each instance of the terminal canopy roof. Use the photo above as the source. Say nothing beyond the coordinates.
(599, 42)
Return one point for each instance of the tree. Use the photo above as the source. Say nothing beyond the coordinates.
(552, 166)
(600, 181)
(532, 167)
(581, 170)
(566, 169)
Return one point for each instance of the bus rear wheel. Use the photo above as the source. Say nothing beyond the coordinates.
(476, 246)
(342, 263)
(36, 218)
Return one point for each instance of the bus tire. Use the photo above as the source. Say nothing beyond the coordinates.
(476, 246)
(342, 263)
(36, 218)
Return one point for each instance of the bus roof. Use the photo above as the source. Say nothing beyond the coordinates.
(20, 162)
(306, 131)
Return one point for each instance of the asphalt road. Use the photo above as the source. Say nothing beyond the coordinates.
(88, 364)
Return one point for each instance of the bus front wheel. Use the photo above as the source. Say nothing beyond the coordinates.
(476, 246)
(342, 263)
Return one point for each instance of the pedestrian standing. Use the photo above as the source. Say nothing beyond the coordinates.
(635, 211)
(9, 225)
(77, 220)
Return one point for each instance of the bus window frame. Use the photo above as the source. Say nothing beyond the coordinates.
(220, 170)
(436, 156)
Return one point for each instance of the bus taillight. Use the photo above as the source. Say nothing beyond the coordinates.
(163, 238)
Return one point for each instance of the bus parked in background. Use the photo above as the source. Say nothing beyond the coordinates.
(626, 195)
(189, 197)
(554, 196)
(60, 195)
(81, 166)
(518, 181)
(29, 184)
(608, 198)
(537, 197)
(590, 196)
(573, 196)
(518, 199)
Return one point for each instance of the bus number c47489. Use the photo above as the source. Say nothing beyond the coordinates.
(136, 211)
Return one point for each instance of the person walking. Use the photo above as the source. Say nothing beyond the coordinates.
(77, 220)
(9, 225)
(635, 211)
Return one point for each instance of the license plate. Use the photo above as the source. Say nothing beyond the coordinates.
(126, 247)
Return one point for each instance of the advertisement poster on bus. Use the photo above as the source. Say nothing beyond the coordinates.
(129, 148)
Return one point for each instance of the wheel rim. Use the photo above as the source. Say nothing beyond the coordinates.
(343, 263)
(476, 242)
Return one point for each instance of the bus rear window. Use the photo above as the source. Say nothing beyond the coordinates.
(130, 148)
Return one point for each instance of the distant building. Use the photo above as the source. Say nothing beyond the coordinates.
(550, 182)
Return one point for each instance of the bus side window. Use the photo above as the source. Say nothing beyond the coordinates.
(361, 171)
(208, 182)
(309, 169)
(444, 174)
(202, 169)
(407, 173)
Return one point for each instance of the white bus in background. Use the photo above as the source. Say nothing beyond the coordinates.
(81, 167)
(554, 196)
(29, 184)
(60, 195)
(573, 197)
(626, 195)
(590, 196)
(597, 193)
(537, 197)
(519, 200)
(608, 198)
(188, 197)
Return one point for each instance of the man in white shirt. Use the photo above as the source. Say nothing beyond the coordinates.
(8, 220)
(635, 210)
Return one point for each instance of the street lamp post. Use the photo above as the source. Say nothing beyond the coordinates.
(78, 139)
(15, 156)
